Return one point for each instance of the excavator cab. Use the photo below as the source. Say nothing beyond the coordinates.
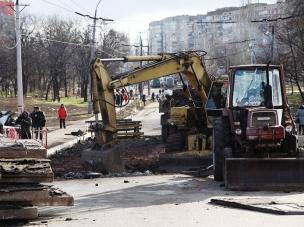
(255, 146)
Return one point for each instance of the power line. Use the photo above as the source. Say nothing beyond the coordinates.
(75, 44)
(276, 19)
(78, 6)
(94, 18)
(221, 57)
(57, 5)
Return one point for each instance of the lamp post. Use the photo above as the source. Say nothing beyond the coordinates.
(93, 50)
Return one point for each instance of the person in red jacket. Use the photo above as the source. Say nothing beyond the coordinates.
(62, 115)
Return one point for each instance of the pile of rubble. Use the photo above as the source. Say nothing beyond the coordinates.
(23, 167)
(138, 157)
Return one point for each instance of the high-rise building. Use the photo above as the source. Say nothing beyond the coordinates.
(216, 32)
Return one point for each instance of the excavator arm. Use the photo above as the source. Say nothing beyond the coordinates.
(103, 86)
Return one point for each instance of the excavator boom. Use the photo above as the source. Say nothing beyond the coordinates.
(187, 63)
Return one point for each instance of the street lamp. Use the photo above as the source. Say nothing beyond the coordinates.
(93, 50)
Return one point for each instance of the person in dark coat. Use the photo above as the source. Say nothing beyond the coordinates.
(117, 98)
(38, 121)
(25, 123)
(143, 98)
(300, 119)
(153, 97)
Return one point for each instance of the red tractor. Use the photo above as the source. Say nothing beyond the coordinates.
(255, 145)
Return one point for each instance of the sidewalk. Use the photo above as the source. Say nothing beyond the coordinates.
(59, 139)
(62, 139)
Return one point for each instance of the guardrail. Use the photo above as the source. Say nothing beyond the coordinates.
(14, 133)
(40, 135)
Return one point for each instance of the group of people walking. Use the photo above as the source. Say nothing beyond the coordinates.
(35, 122)
(122, 97)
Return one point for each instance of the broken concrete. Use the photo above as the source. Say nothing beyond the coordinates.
(21, 149)
(25, 170)
(265, 205)
(23, 165)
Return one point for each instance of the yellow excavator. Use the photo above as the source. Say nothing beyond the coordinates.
(188, 64)
(255, 144)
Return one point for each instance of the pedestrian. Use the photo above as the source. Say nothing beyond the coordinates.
(121, 97)
(38, 121)
(131, 94)
(25, 123)
(153, 97)
(117, 97)
(143, 98)
(300, 119)
(157, 97)
(62, 115)
(126, 98)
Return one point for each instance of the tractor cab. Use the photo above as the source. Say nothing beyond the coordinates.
(257, 109)
(250, 115)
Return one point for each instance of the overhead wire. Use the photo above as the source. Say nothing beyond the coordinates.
(57, 5)
(276, 19)
(80, 7)
(68, 43)
(76, 44)
(221, 57)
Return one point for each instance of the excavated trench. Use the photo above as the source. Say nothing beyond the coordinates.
(132, 156)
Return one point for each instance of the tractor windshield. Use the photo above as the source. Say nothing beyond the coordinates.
(249, 87)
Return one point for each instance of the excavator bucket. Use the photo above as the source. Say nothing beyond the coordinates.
(257, 174)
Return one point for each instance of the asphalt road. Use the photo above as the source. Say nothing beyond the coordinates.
(161, 200)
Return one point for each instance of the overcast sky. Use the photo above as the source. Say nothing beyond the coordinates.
(130, 16)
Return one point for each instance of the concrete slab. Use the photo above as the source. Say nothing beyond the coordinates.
(9, 212)
(265, 205)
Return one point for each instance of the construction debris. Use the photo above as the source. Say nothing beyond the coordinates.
(264, 205)
(23, 167)
(21, 149)
(137, 157)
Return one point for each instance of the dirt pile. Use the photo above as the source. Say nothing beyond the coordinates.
(69, 160)
(136, 156)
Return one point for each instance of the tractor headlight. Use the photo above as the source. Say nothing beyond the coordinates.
(288, 128)
(238, 131)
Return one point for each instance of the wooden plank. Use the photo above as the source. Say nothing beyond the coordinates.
(130, 134)
(9, 212)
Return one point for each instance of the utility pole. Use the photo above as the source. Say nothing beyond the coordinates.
(140, 86)
(149, 89)
(92, 54)
(272, 42)
(19, 59)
